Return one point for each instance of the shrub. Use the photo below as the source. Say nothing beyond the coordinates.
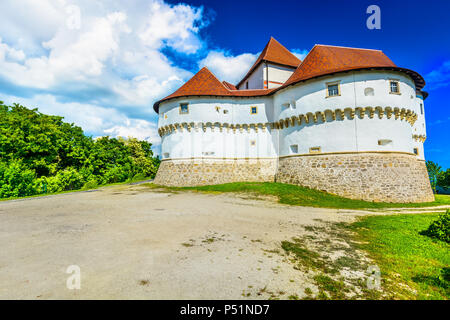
(16, 180)
(440, 229)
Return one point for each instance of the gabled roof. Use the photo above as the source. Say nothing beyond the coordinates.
(274, 52)
(229, 85)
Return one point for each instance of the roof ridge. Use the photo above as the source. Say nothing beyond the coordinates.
(329, 45)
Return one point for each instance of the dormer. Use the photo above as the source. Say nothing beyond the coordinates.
(273, 67)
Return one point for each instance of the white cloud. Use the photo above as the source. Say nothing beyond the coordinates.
(299, 53)
(99, 64)
(439, 78)
(227, 67)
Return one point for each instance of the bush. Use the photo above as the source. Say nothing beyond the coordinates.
(43, 154)
(16, 180)
(440, 229)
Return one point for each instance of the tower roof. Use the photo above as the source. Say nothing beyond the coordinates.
(203, 83)
(323, 60)
(274, 52)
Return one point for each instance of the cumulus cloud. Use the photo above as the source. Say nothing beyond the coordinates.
(99, 64)
(439, 78)
(228, 67)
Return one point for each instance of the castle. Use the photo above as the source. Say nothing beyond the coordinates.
(344, 120)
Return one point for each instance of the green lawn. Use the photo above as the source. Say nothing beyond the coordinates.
(302, 196)
(404, 256)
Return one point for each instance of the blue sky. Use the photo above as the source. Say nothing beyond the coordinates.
(103, 64)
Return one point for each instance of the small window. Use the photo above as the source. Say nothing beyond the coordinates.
(225, 111)
(333, 89)
(383, 142)
(166, 155)
(246, 85)
(294, 148)
(253, 110)
(314, 150)
(184, 108)
(369, 91)
(253, 143)
(217, 109)
(394, 86)
(416, 151)
(165, 116)
(421, 108)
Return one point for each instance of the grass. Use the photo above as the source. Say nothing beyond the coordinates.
(302, 196)
(413, 266)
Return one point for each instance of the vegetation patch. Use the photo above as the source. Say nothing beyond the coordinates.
(302, 196)
(413, 266)
(42, 154)
(440, 228)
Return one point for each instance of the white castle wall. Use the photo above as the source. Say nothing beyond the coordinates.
(339, 135)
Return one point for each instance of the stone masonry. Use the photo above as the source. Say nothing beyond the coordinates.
(183, 173)
(387, 177)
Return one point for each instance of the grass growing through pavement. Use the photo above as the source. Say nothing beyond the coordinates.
(302, 196)
(407, 259)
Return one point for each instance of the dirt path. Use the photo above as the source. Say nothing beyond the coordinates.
(134, 243)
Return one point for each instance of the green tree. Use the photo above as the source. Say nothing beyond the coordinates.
(434, 172)
(40, 153)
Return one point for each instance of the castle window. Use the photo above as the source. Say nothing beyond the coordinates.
(416, 151)
(294, 148)
(225, 111)
(253, 143)
(315, 150)
(246, 85)
(383, 142)
(184, 108)
(421, 108)
(333, 89)
(369, 91)
(253, 110)
(394, 87)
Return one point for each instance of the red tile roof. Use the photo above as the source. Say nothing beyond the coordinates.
(321, 60)
(274, 52)
(203, 83)
(229, 85)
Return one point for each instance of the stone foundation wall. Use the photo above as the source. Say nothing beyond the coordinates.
(195, 173)
(387, 177)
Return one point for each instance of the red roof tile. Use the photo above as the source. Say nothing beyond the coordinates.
(229, 85)
(323, 60)
(203, 83)
(274, 52)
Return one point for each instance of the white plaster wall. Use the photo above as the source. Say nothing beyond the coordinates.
(256, 79)
(278, 74)
(345, 135)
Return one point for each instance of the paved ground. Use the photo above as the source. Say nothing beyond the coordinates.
(132, 242)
